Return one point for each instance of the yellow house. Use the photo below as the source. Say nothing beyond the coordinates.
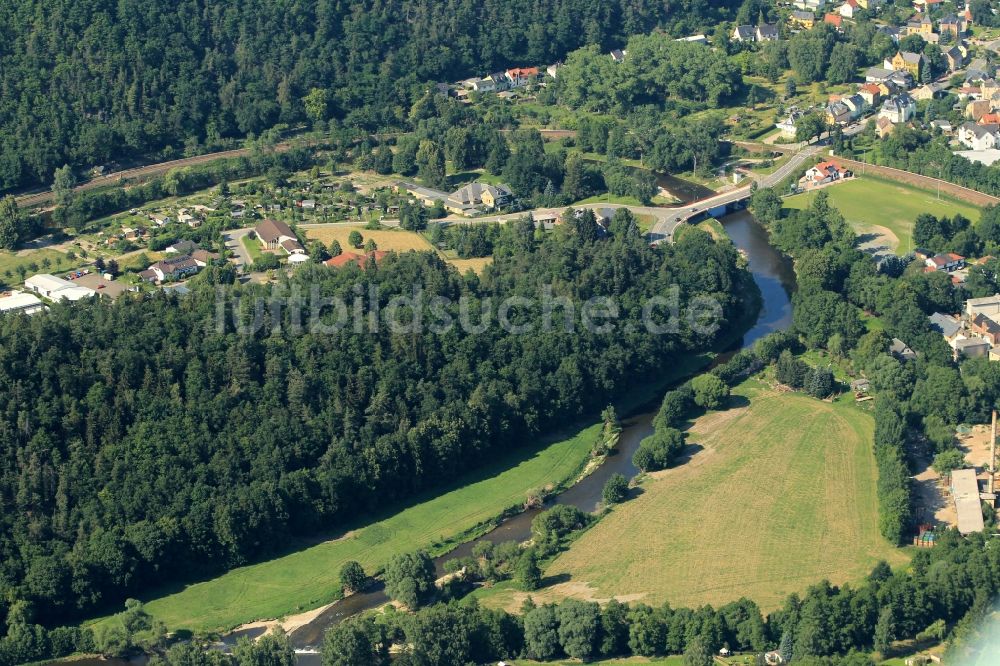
(870, 4)
(909, 62)
(802, 19)
(922, 27)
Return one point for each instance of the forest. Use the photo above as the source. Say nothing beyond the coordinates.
(143, 445)
(87, 82)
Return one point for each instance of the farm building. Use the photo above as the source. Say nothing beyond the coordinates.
(20, 302)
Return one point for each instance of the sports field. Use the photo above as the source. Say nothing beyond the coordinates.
(308, 578)
(780, 495)
(875, 206)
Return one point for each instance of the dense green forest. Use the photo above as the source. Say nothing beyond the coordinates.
(89, 81)
(141, 444)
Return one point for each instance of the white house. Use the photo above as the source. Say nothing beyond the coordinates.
(978, 137)
(898, 108)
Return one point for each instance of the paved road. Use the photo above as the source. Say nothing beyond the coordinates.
(234, 241)
(663, 230)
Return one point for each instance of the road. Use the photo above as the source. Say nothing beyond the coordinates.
(234, 241)
(663, 229)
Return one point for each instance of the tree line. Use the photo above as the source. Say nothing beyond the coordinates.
(140, 453)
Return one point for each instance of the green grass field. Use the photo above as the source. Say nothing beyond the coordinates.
(308, 578)
(872, 205)
(780, 496)
(252, 246)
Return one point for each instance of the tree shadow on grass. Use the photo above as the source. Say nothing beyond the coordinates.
(736, 402)
(687, 454)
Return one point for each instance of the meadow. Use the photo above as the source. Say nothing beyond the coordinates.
(874, 206)
(779, 495)
(308, 578)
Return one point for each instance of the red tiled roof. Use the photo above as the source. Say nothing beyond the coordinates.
(834, 19)
(343, 259)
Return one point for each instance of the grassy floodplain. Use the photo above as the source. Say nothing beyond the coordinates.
(779, 495)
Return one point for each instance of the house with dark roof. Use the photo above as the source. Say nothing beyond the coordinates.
(946, 325)
(274, 234)
(767, 32)
(901, 350)
(978, 137)
(174, 268)
(741, 33)
(985, 328)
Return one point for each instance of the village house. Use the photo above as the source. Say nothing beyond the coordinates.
(948, 262)
(901, 350)
(181, 247)
(978, 137)
(926, 5)
(927, 92)
(838, 113)
(976, 109)
(174, 268)
(898, 108)
(943, 125)
(949, 327)
(618, 55)
(767, 32)
(823, 173)
(922, 27)
(985, 328)
(204, 257)
(802, 19)
(274, 234)
(811, 5)
(955, 57)
(521, 76)
(361, 260)
(871, 93)
(905, 61)
(836, 20)
(970, 347)
(480, 194)
(741, 33)
(857, 104)
(849, 9)
(884, 127)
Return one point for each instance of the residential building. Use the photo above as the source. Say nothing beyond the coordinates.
(884, 127)
(618, 55)
(480, 194)
(955, 57)
(948, 262)
(904, 61)
(182, 247)
(871, 93)
(788, 125)
(838, 113)
(56, 289)
(849, 9)
(929, 91)
(802, 19)
(811, 5)
(204, 257)
(20, 302)
(985, 328)
(857, 104)
(922, 27)
(553, 70)
(521, 76)
(877, 74)
(954, 25)
(274, 234)
(693, 39)
(870, 4)
(949, 327)
(898, 108)
(823, 173)
(926, 5)
(741, 33)
(976, 109)
(174, 268)
(943, 125)
(836, 20)
(971, 347)
(901, 350)
(978, 137)
(767, 32)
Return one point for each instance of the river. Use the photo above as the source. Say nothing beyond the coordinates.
(775, 278)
